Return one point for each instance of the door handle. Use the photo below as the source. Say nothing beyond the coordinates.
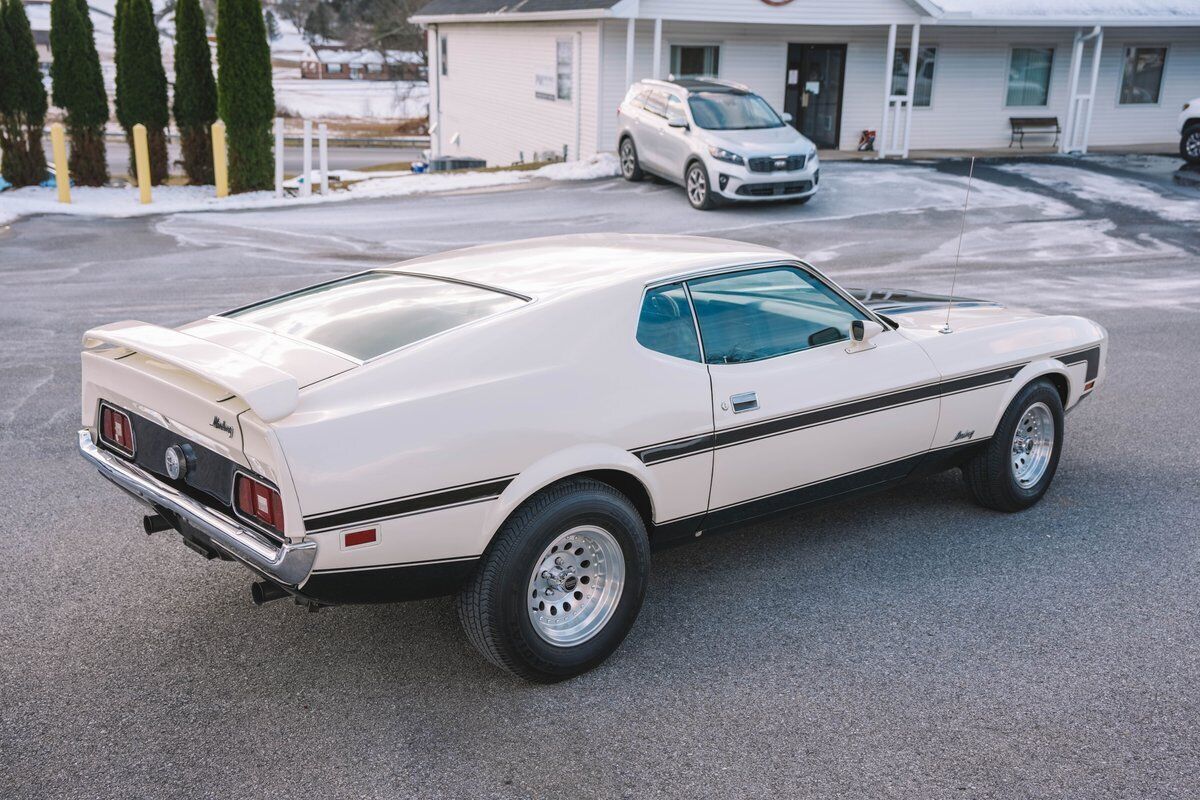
(746, 401)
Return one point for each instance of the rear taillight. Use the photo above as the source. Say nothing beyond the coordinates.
(258, 502)
(115, 429)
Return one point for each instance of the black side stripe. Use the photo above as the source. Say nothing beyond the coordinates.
(1091, 355)
(412, 504)
(372, 567)
(669, 451)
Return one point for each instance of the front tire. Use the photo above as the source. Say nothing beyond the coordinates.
(1189, 145)
(631, 168)
(1014, 470)
(561, 584)
(699, 190)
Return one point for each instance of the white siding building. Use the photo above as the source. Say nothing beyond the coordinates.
(513, 79)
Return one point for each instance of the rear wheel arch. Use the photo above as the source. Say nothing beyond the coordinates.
(619, 471)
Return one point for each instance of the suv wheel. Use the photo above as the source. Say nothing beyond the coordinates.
(631, 170)
(1189, 145)
(699, 191)
(561, 584)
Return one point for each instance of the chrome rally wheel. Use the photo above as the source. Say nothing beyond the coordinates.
(576, 585)
(1032, 445)
(561, 583)
(1012, 470)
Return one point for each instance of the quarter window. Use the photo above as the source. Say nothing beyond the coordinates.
(1029, 76)
(695, 61)
(923, 85)
(564, 69)
(1141, 77)
(749, 316)
(666, 325)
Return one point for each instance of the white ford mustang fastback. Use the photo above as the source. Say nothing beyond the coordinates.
(520, 424)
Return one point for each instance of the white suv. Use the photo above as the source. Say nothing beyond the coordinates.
(716, 139)
(1189, 131)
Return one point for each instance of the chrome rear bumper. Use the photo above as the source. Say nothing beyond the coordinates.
(287, 564)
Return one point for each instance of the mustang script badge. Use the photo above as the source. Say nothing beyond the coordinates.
(222, 425)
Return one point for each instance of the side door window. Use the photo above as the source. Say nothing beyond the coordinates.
(798, 418)
(749, 316)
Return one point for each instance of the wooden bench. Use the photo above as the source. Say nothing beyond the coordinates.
(1023, 125)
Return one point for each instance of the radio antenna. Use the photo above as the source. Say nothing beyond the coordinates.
(957, 253)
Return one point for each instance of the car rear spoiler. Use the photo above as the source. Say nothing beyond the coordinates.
(270, 392)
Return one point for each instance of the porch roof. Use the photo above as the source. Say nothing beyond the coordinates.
(938, 12)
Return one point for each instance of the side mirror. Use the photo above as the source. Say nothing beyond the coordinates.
(786, 117)
(861, 333)
(677, 122)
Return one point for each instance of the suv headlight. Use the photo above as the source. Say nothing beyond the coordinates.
(728, 156)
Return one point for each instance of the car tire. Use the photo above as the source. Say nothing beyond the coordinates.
(699, 190)
(1189, 144)
(631, 168)
(523, 621)
(1015, 468)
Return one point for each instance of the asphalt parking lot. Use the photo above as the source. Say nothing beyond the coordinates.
(906, 645)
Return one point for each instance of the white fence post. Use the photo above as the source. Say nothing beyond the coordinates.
(306, 184)
(323, 151)
(279, 157)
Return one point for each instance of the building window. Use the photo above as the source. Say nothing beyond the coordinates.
(1029, 76)
(442, 55)
(923, 87)
(375, 68)
(695, 61)
(333, 69)
(1141, 79)
(564, 68)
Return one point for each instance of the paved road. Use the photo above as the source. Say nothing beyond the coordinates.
(907, 645)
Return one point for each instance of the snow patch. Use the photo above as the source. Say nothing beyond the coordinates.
(123, 202)
(1098, 187)
(604, 165)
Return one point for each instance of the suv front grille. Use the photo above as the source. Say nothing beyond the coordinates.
(776, 163)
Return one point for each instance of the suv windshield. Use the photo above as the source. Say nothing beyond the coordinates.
(728, 111)
(367, 315)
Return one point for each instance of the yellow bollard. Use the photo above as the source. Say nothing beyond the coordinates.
(141, 154)
(220, 164)
(62, 176)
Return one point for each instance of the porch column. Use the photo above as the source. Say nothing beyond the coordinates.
(656, 67)
(1087, 122)
(434, 76)
(889, 60)
(1068, 134)
(630, 31)
(913, 46)
(576, 86)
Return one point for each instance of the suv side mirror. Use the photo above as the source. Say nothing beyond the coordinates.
(786, 117)
(677, 122)
(861, 333)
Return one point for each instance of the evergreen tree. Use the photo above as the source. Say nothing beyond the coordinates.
(245, 97)
(142, 83)
(78, 88)
(195, 103)
(121, 10)
(272, 25)
(22, 99)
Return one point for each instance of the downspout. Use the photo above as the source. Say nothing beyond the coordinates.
(435, 112)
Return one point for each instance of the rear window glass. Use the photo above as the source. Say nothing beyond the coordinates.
(367, 315)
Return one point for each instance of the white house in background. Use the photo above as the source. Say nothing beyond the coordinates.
(517, 78)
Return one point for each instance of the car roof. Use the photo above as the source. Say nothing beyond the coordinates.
(698, 85)
(557, 265)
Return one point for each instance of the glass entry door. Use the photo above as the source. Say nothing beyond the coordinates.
(813, 97)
